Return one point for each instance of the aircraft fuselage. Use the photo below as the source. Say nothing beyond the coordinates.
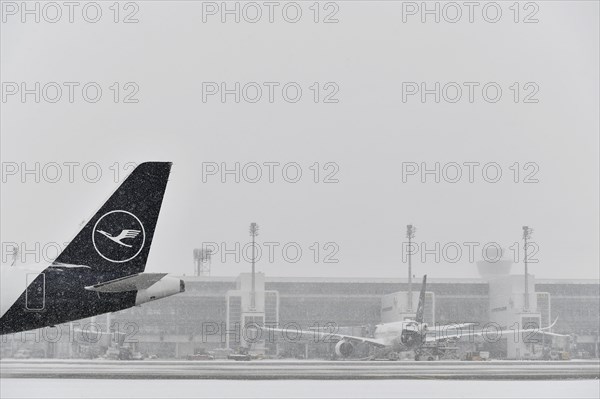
(37, 298)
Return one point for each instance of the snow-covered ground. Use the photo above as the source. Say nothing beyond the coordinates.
(70, 388)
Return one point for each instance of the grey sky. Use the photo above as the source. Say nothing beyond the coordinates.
(369, 133)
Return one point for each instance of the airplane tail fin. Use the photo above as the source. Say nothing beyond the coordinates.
(421, 307)
(117, 239)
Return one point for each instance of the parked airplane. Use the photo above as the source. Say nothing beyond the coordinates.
(102, 269)
(406, 335)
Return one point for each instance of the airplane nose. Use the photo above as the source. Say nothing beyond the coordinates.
(181, 286)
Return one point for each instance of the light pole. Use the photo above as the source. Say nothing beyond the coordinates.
(527, 231)
(410, 234)
(253, 234)
(202, 260)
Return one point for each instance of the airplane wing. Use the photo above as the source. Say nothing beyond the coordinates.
(494, 332)
(293, 334)
(446, 327)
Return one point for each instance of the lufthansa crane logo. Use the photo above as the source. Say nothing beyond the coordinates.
(118, 236)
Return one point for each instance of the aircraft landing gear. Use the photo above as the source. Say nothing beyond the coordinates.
(426, 354)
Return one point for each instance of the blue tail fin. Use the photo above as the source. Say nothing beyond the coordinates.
(117, 239)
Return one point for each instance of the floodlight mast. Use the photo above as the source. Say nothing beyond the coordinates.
(205, 262)
(253, 234)
(527, 232)
(410, 234)
(202, 261)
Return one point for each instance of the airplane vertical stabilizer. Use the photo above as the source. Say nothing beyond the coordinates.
(116, 240)
(421, 307)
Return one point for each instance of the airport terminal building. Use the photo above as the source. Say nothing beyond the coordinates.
(212, 311)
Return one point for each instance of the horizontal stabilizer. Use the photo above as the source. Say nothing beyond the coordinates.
(136, 282)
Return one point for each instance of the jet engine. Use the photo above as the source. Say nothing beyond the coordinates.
(413, 335)
(344, 348)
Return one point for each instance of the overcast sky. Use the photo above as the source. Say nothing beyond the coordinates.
(366, 136)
